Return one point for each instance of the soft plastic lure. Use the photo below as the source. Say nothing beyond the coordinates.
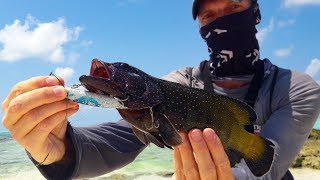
(92, 99)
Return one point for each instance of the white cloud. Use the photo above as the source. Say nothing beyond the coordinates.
(33, 39)
(263, 33)
(286, 23)
(72, 57)
(314, 67)
(298, 3)
(65, 73)
(283, 52)
(86, 43)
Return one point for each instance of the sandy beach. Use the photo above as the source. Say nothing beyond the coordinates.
(305, 174)
(299, 174)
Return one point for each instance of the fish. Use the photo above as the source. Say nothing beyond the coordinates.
(158, 110)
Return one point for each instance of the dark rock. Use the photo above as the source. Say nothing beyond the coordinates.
(309, 156)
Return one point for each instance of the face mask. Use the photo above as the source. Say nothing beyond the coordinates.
(232, 43)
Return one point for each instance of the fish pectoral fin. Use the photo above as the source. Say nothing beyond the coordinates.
(167, 131)
(146, 137)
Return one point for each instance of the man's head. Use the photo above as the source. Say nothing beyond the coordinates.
(228, 28)
(208, 10)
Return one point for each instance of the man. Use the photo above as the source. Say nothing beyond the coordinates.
(287, 104)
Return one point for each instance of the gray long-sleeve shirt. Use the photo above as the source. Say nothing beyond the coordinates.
(294, 109)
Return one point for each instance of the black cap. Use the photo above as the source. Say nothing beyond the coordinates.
(195, 8)
(196, 5)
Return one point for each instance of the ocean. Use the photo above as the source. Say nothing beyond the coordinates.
(153, 163)
(317, 125)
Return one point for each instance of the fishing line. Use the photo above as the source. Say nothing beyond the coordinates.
(41, 163)
(152, 120)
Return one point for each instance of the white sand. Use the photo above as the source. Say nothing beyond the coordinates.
(305, 174)
(298, 174)
(153, 177)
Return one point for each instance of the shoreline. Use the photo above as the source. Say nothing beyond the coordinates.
(148, 165)
(298, 174)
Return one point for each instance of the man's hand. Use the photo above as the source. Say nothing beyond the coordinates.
(35, 113)
(201, 156)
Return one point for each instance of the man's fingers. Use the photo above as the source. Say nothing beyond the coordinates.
(178, 167)
(39, 134)
(205, 163)
(218, 155)
(190, 167)
(31, 84)
(29, 120)
(30, 100)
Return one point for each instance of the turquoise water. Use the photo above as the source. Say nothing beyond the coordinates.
(14, 163)
(317, 125)
(153, 161)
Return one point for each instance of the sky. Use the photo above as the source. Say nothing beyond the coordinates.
(38, 37)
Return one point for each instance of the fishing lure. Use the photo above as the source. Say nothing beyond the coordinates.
(81, 96)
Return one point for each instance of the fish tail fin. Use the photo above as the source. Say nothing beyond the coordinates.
(257, 152)
(263, 164)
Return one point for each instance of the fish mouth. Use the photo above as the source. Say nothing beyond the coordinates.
(101, 69)
(99, 73)
(100, 79)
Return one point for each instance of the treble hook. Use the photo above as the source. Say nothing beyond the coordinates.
(156, 124)
(75, 86)
(121, 100)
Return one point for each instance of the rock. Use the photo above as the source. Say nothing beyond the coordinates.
(315, 134)
(165, 174)
(309, 156)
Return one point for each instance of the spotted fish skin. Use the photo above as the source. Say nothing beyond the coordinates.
(159, 109)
